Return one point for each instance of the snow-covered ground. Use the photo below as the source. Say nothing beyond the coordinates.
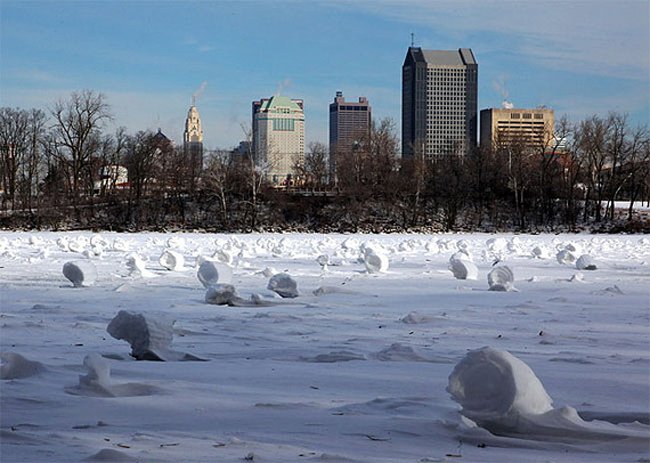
(379, 358)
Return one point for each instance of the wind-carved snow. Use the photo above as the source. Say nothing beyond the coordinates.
(585, 262)
(462, 266)
(150, 336)
(500, 393)
(97, 382)
(211, 272)
(284, 285)
(15, 366)
(375, 259)
(501, 278)
(359, 361)
(171, 260)
(80, 272)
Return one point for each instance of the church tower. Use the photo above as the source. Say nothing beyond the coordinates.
(193, 140)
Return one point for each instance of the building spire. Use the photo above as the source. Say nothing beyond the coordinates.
(412, 39)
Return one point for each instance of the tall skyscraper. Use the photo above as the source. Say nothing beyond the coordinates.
(439, 102)
(193, 141)
(278, 137)
(531, 128)
(349, 124)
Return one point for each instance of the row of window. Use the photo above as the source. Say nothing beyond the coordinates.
(526, 116)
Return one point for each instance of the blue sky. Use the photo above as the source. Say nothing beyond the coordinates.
(579, 57)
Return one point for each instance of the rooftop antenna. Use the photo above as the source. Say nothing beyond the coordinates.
(412, 40)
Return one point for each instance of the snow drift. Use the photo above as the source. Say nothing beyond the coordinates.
(501, 394)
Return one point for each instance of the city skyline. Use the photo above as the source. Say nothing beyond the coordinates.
(151, 58)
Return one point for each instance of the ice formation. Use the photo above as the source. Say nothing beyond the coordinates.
(462, 267)
(15, 366)
(284, 285)
(221, 294)
(501, 278)
(171, 260)
(585, 262)
(149, 337)
(211, 273)
(80, 272)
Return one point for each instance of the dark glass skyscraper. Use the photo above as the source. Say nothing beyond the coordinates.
(439, 102)
(349, 125)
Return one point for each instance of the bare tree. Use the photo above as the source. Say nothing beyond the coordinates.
(77, 137)
(313, 168)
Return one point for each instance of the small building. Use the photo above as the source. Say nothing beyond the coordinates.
(531, 128)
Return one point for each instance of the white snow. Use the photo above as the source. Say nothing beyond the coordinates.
(355, 368)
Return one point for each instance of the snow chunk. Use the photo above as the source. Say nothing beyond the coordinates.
(540, 252)
(284, 285)
(221, 294)
(211, 272)
(149, 338)
(493, 386)
(375, 261)
(15, 366)
(136, 266)
(501, 278)
(585, 262)
(565, 257)
(462, 267)
(171, 260)
(80, 272)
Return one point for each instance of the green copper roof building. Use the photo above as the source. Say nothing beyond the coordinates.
(278, 138)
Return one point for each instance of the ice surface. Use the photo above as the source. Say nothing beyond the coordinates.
(355, 369)
(80, 272)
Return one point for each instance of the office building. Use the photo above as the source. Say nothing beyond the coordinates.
(532, 128)
(349, 125)
(439, 102)
(279, 138)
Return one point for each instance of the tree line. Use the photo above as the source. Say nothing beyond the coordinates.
(62, 169)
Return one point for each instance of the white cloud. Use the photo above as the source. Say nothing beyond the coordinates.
(602, 37)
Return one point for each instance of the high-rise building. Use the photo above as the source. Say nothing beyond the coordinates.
(439, 102)
(349, 124)
(193, 141)
(532, 128)
(278, 137)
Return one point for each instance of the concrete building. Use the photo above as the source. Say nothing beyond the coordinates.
(278, 138)
(349, 124)
(193, 141)
(439, 102)
(532, 128)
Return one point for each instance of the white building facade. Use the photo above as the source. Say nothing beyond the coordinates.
(279, 138)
